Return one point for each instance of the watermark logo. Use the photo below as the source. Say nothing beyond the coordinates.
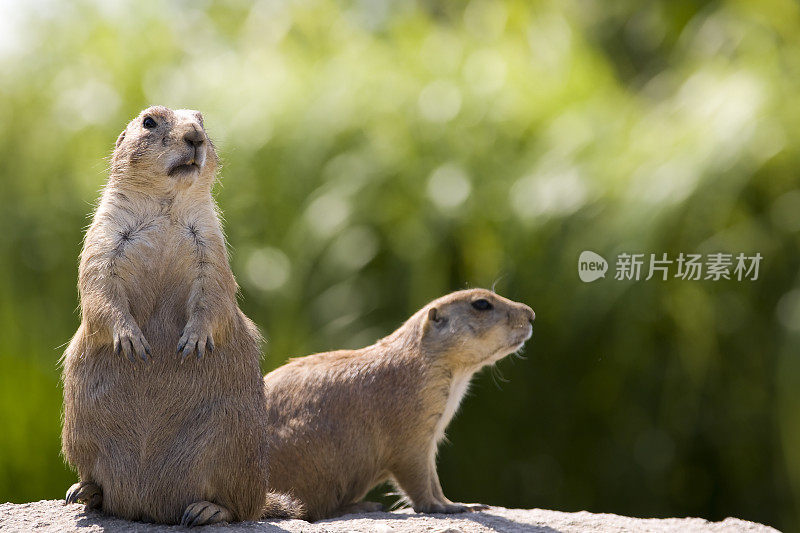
(688, 267)
(591, 266)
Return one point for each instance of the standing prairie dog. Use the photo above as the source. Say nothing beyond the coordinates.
(164, 408)
(342, 422)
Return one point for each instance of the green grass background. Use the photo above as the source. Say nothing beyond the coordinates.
(378, 154)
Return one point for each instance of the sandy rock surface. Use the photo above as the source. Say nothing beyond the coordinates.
(45, 516)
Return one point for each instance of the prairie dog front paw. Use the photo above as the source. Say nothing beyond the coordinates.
(129, 338)
(441, 507)
(195, 339)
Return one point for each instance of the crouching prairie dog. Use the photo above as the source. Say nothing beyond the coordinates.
(342, 422)
(165, 417)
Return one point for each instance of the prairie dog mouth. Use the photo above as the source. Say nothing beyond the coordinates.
(519, 339)
(527, 334)
(184, 169)
(516, 340)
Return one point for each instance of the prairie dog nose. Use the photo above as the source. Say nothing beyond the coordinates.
(194, 137)
(529, 312)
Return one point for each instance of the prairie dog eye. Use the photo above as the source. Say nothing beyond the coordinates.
(482, 305)
(149, 123)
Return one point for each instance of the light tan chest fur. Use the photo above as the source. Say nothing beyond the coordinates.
(459, 385)
(156, 251)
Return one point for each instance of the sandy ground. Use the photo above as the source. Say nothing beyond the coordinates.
(46, 516)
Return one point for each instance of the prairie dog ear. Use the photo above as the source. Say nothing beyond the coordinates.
(121, 138)
(435, 316)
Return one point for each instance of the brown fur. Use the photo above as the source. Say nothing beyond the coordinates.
(345, 421)
(164, 410)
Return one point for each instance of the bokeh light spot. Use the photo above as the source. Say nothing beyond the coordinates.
(448, 186)
(440, 101)
(267, 269)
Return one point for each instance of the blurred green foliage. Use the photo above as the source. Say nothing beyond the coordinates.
(378, 154)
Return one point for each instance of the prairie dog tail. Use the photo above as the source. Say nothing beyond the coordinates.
(281, 505)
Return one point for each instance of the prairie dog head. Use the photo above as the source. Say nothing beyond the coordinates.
(475, 327)
(163, 149)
